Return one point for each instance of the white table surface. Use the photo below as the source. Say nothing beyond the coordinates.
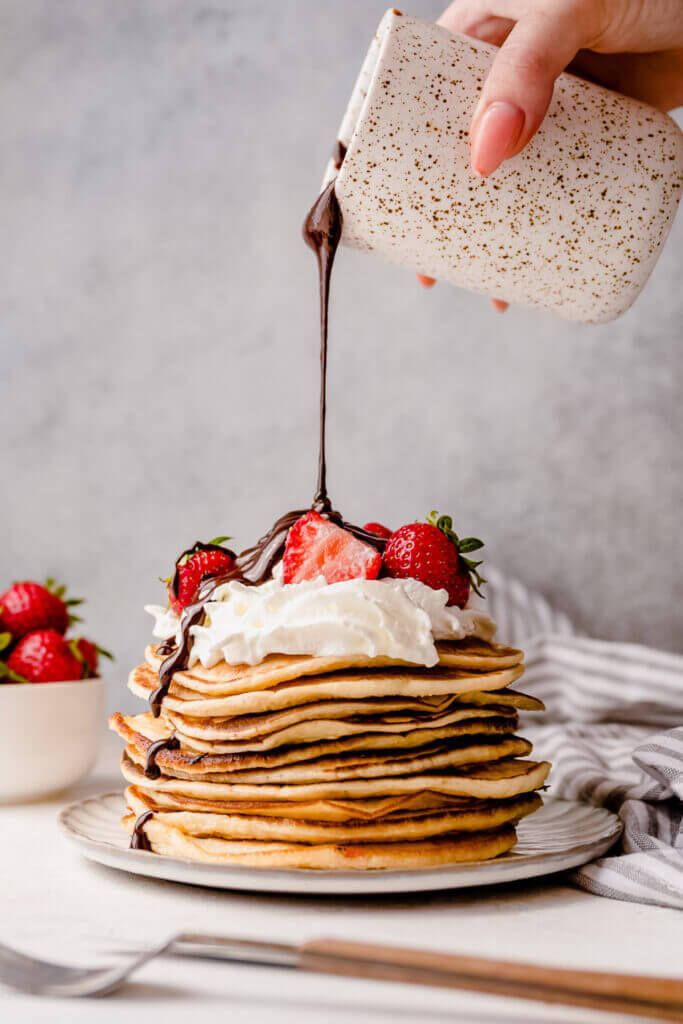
(55, 903)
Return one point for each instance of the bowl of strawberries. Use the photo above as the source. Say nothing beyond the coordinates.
(52, 700)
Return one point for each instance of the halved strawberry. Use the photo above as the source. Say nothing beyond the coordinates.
(316, 547)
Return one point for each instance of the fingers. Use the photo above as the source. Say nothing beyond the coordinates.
(496, 135)
(498, 304)
(536, 44)
(656, 78)
(519, 86)
(537, 40)
(475, 18)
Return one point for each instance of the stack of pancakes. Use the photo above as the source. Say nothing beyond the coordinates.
(333, 762)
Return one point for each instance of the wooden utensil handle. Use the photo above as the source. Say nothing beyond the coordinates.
(641, 995)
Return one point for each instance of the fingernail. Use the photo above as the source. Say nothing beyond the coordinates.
(495, 136)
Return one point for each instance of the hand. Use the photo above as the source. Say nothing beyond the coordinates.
(634, 46)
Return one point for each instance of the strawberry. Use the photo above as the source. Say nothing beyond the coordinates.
(316, 547)
(88, 654)
(433, 553)
(460, 586)
(198, 563)
(378, 529)
(28, 606)
(44, 656)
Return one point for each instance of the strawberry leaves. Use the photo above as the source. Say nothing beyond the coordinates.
(6, 673)
(59, 590)
(464, 546)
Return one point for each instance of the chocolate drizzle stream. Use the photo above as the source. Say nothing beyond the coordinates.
(152, 769)
(139, 840)
(322, 231)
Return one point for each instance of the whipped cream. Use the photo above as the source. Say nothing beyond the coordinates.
(391, 618)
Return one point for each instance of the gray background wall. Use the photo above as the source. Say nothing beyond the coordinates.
(159, 348)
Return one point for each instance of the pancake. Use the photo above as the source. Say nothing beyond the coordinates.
(352, 735)
(481, 655)
(360, 765)
(483, 817)
(224, 679)
(313, 810)
(354, 685)
(309, 722)
(298, 719)
(502, 780)
(475, 846)
(504, 698)
(333, 763)
(241, 727)
(141, 731)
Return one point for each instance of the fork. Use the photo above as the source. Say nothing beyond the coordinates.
(639, 995)
(46, 978)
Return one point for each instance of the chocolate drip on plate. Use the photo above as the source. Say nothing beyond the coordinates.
(139, 840)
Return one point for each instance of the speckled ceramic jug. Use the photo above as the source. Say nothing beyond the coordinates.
(574, 224)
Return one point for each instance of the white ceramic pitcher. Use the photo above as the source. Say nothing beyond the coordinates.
(573, 224)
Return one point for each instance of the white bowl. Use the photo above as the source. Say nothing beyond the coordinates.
(50, 734)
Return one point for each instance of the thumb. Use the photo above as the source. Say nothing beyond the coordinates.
(519, 86)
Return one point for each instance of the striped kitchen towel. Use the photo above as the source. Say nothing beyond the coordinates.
(614, 732)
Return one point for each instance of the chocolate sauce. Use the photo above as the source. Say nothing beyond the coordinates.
(255, 565)
(152, 770)
(178, 659)
(322, 231)
(338, 154)
(139, 840)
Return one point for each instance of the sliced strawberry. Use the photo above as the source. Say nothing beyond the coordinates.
(316, 547)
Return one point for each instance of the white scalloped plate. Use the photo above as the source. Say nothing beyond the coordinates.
(561, 835)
